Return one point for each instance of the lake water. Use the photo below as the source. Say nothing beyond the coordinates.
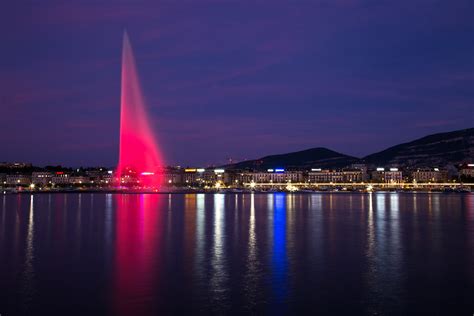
(327, 254)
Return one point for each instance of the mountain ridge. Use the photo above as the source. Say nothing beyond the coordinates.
(438, 150)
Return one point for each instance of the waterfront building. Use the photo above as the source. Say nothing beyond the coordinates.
(79, 180)
(201, 176)
(41, 177)
(363, 169)
(192, 176)
(106, 178)
(334, 176)
(60, 178)
(467, 171)
(172, 177)
(273, 176)
(392, 175)
(239, 177)
(18, 179)
(430, 175)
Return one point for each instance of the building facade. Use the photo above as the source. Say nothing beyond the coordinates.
(387, 176)
(430, 175)
(334, 176)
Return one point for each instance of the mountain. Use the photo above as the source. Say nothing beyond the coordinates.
(433, 150)
(437, 150)
(311, 158)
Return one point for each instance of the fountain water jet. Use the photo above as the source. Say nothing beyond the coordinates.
(139, 156)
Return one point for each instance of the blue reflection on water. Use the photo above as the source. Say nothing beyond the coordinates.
(279, 257)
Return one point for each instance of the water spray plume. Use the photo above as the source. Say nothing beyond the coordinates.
(139, 156)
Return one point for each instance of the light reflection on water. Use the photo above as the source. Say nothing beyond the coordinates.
(219, 275)
(275, 253)
(28, 275)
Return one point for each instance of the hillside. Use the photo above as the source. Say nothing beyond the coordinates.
(433, 150)
(311, 158)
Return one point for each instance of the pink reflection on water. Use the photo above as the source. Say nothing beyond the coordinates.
(138, 238)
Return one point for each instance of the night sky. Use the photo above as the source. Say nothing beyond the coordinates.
(238, 79)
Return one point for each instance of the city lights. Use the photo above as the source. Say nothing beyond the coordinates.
(147, 173)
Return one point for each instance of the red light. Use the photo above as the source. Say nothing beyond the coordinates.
(59, 172)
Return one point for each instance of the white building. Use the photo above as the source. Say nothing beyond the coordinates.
(60, 178)
(42, 177)
(327, 176)
(467, 171)
(271, 176)
(18, 179)
(430, 175)
(393, 175)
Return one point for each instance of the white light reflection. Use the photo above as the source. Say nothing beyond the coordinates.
(108, 221)
(270, 218)
(252, 264)
(200, 234)
(316, 229)
(28, 269)
(384, 250)
(370, 228)
(219, 276)
(317, 202)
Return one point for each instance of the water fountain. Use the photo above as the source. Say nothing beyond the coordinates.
(140, 159)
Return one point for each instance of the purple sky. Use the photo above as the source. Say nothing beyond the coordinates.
(238, 79)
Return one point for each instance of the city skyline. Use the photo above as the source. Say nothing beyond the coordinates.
(348, 76)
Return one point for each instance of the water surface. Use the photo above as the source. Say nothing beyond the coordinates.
(322, 253)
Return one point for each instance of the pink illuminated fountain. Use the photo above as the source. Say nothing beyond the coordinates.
(139, 157)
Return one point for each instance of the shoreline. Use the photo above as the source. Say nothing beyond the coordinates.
(223, 191)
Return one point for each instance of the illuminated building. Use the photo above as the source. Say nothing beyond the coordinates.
(18, 179)
(430, 175)
(326, 176)
(467, 171)
(79, 180)
(392, 175)
(60, 178)
(3, 178)
(201, 176)
(41, 177)
(172, 178)
(276, 175)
